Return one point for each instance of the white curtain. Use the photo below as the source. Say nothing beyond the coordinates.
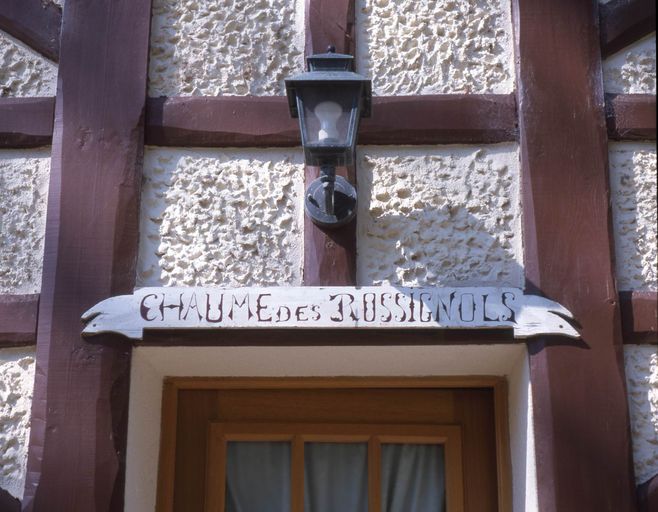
(258, 477)
(413, 478)
(335, 477)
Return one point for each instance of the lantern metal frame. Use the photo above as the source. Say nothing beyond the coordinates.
(330, 200)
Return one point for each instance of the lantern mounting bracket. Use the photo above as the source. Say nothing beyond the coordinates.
(330, 200)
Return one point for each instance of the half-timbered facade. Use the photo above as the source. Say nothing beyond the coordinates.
(148, 143)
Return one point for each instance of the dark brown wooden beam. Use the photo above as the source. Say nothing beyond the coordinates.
(631, 116)
(221, 121)
(639, 317)
(648, 495)
(329, 254)
(36, 23)
(18, 319)
(264, 121)
(26, 122)
(330, 23)
(441, 119)
(625, 21)
(582, 431)
(8, 503)
(77, 449)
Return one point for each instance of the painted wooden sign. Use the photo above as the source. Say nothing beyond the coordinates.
(342, 307)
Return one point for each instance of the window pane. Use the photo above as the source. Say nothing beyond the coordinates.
(258, 477)
(413, 478)
(335, 477)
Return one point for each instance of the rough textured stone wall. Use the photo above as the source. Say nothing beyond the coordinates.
(633, 69)
(23, 197)
(439, 216)
(221, 217)
(633, 188)
(224, 47)
(24, 72)
(642, 382)
(16, 384)
(435, 46)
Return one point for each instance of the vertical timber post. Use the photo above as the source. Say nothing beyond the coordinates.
(582, 434)
(76, 461)
(329, 254)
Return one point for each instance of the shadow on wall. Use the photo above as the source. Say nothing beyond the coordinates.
(439, 216)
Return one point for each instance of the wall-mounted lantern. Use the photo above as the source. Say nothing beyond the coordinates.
(329, 100)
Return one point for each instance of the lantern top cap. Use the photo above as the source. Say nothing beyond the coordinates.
(330, 61)
(329, 69)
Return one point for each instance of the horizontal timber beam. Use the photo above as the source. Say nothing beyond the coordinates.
(26, 122)
(441, 119)
(264, 121)
(639, 317)
(220, 121)
(18, 319)
(622, 22)
(631, 116)
(37, 23)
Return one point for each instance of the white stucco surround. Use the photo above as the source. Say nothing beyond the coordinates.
(16, 384)
(151, 364)
(632, 70)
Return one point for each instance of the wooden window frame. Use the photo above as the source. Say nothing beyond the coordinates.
(172, 385)
(298, 434)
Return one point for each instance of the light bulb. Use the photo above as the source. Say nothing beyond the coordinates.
(328, 113)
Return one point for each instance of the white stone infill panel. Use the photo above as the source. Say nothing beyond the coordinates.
(16, 384)
(23, 198)
(633, 188)
(150, 365)
(214, 217)
(642, 384)
(435, 46)
(24, 72)
(439, 216)
(633, 69)
(224, 47)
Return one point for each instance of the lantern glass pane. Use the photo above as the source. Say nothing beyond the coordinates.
(328, 114)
